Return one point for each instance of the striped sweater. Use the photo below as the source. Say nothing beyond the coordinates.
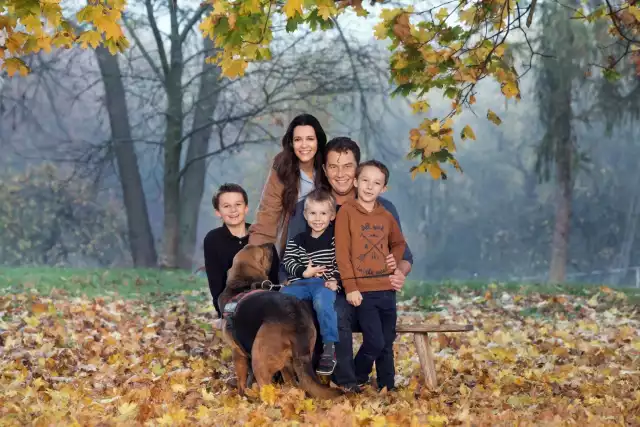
(320, 250)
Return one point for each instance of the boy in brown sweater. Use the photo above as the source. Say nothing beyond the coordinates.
(365, 233)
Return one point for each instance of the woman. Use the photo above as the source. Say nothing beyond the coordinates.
(296, 170)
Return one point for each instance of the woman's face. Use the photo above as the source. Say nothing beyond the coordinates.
(305, 144)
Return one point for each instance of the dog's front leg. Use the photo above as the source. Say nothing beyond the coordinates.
(241, 363)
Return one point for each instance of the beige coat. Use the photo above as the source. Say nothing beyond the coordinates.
(271, 222)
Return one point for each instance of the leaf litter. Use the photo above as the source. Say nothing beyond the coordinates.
(531, 360)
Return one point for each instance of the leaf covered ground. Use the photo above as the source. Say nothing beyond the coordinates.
(532, 359)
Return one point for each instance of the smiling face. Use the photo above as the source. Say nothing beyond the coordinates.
(370, 184)
(318, 216)
(340, 168)
(305, 144)
(232, 209)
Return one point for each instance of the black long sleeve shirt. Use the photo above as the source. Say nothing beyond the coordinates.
(220, 246)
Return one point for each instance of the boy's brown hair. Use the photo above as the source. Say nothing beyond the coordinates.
(320, 195)
(376, 164)
(229, 188)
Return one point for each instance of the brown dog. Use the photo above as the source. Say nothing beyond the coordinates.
(273, 331)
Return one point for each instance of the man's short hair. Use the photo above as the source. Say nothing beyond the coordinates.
(319, 195)
(343, 144)
(376, 164)
(229, 188)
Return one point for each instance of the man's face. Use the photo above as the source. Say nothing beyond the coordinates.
(319, 215)
(370, 184)
(341, 171)
(232, 208)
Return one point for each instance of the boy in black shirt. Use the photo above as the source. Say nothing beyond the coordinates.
(231, 204)
(310, 262)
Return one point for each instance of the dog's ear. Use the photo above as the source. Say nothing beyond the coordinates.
(267, 255)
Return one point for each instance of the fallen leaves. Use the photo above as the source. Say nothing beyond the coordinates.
(531, 360)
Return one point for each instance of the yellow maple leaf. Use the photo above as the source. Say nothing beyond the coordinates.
(15, 41)
(32, 24)
(493, 117)
(434, 170)
(389, 14)
(219, 8)
(468, 15)
(380, 30)
(52, 13)
(127, 411)
(467, 132)
(90, 38)
(437, 420)
(268, 394)
(428, 144)
(449, 144)
(13, 66)
(208, 397)
(420, 106)
(178, 388)
(509, 89)
(233, 68)
(109, 26)
(635, 11)
(203, 412)
(442, 14)
(44, 42)
(325, 11)
(292, 7)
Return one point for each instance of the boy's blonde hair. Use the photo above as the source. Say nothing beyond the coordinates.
(320, 196)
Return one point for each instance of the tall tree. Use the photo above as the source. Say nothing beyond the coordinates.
(559, 75)
(141, 241)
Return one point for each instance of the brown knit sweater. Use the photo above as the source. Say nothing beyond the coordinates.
(363, 241)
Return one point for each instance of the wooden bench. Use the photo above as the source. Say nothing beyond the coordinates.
(420, 333)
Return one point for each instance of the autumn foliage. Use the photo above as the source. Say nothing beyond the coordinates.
(448, 47)
(531, 360)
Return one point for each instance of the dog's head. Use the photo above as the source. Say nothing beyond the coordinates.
(251, 264)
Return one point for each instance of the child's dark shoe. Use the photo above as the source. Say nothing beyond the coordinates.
(327, 362)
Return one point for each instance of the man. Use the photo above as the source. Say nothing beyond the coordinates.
(341, 160)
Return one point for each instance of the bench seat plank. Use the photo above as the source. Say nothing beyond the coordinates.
(423, 328)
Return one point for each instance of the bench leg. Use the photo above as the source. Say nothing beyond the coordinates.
(426, 359)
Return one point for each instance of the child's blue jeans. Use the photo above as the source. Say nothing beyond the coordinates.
(323, 298)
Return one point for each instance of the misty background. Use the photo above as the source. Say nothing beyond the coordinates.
(111, 161)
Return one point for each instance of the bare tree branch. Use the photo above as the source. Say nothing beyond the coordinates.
(204, 8)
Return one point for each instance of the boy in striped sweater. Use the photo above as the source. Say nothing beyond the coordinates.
(310, 262)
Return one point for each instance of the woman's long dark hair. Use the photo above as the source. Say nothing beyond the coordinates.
(287, 165)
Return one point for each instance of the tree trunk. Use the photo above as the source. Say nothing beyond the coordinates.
(560, 241)
(563, 146)
(172, 150)
(193, 177)
(141, 240)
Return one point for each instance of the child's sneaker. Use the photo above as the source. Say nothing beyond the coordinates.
(327, 361)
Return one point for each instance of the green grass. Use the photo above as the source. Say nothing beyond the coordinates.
(158, 286)
(149, 285)
(431, 292)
